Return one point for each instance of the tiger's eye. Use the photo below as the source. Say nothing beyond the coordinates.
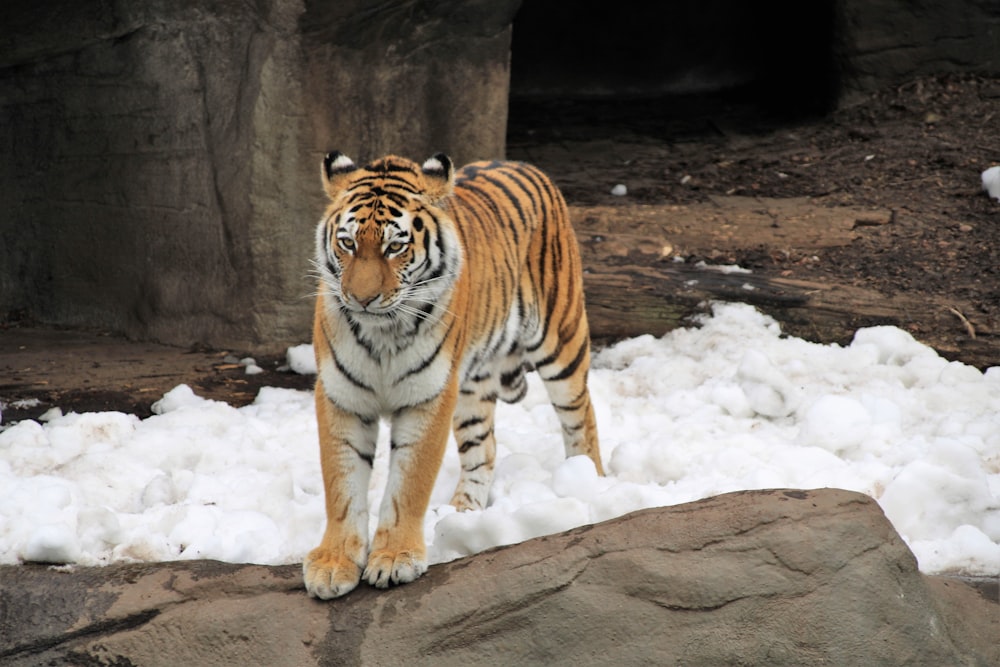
(346, 243)
(394, 247)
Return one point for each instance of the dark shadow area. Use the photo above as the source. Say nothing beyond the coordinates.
(670, 69)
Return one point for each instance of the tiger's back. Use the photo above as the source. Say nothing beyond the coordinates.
(438, 292)
(526, 311)
(524, 271)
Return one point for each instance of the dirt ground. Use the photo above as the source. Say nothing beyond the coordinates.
(912, 155)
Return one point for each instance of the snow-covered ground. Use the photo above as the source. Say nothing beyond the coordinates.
(704, 410)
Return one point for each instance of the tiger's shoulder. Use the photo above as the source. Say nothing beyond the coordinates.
(516, 196)
(490, 170)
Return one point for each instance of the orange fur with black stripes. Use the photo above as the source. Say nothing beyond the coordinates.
(437, 292)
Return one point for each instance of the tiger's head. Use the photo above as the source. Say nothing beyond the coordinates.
(386, 248)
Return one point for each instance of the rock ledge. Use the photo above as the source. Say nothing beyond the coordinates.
(782, 577)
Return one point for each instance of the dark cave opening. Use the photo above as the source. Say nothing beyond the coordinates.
(664, 68)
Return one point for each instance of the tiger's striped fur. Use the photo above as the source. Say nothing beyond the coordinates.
(437, 293)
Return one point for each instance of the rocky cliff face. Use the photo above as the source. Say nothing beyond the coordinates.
(766, 578)
(162, 177)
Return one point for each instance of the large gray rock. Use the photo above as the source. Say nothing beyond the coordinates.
(880, 42)
(161, 159)
(755, 578)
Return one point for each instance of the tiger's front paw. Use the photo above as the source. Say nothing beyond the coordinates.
(398, 567)
(329, 574)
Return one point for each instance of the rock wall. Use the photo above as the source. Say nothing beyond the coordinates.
(161, 171)
(781, 577)
(892, 41)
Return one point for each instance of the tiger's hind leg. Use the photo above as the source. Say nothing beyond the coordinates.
(564, 373)
(477, 447)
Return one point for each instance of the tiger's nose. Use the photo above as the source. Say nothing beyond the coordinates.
(364, 301)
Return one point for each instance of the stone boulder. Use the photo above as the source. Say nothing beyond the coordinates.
(759, 578)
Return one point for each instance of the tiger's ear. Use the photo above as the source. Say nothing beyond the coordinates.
(337, 169)
(439, 177)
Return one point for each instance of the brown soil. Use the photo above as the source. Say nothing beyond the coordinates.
(912, 156)
(82, 371)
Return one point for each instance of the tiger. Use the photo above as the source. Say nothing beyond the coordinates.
(437, 292)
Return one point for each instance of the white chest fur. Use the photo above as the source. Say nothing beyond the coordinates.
(368, 379)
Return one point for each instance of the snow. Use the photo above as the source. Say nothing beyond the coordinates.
(301, 359)
(727, 405)
(991, 182)
(722, 268)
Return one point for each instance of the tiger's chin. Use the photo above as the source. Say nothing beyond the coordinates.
(388, 321)
(373, 311)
